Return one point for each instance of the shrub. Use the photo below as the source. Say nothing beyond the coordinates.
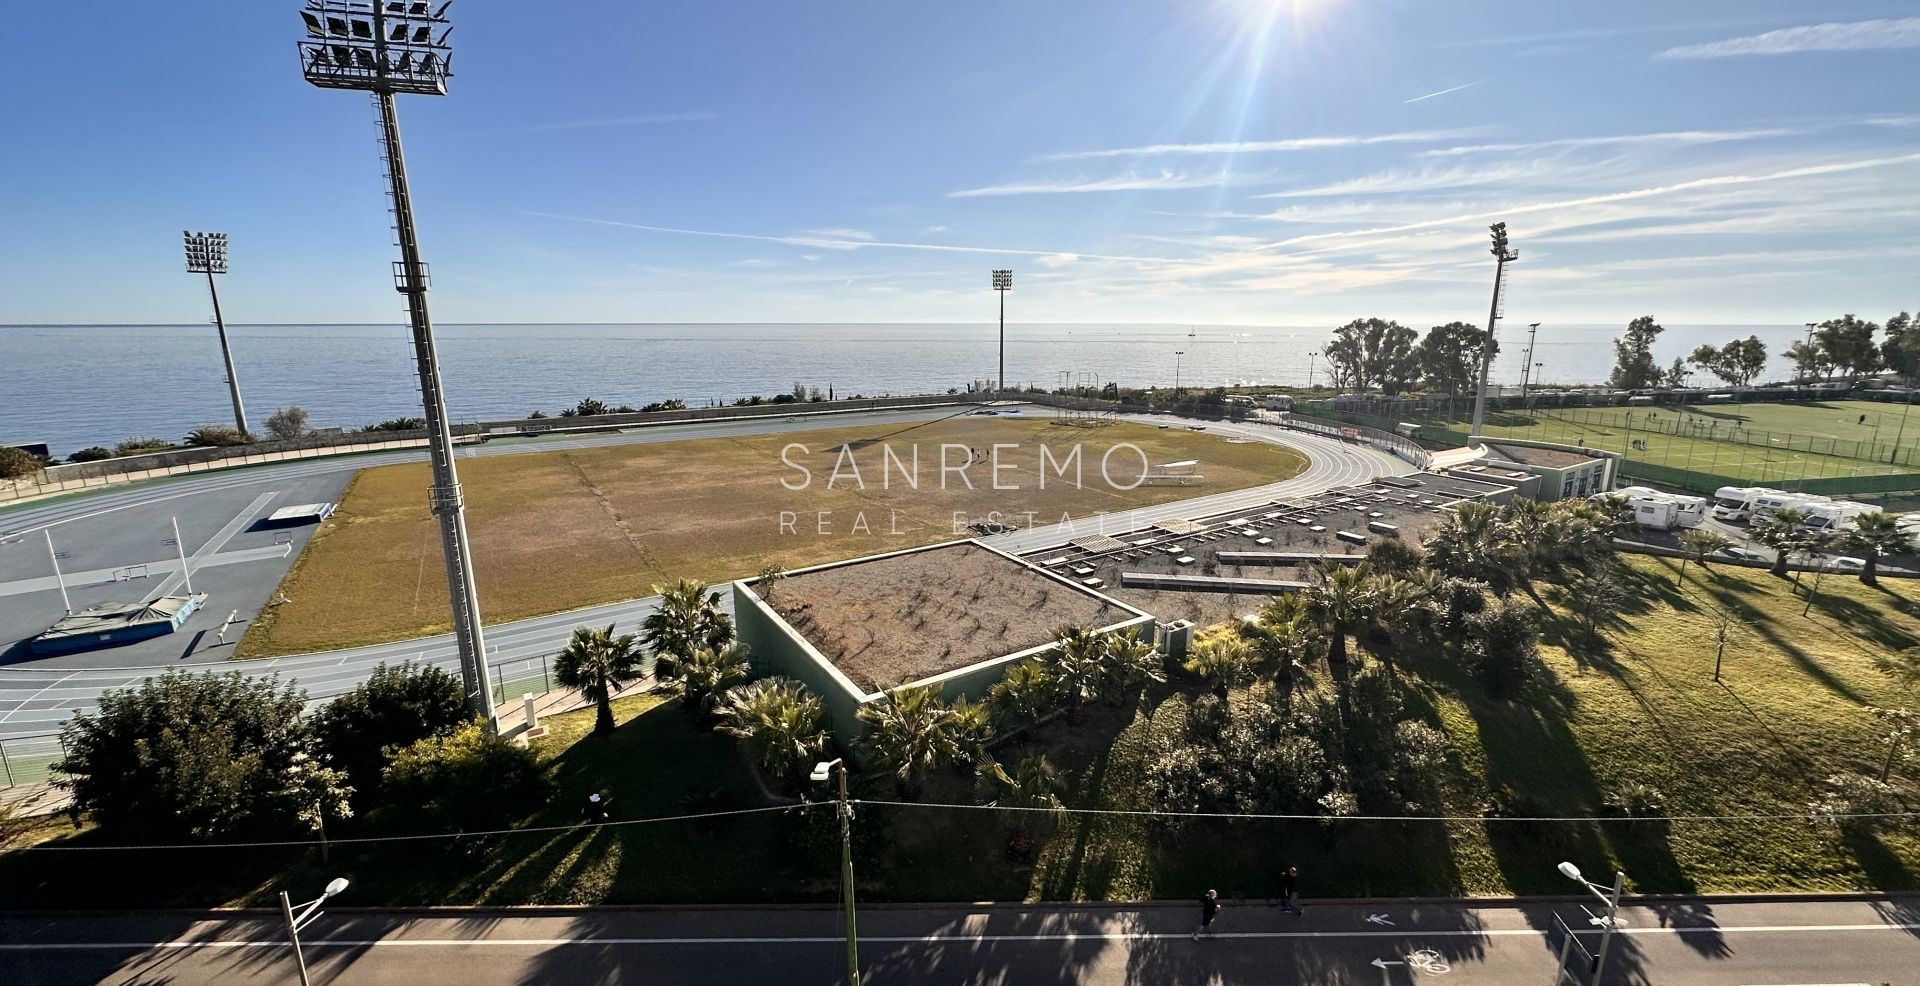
(397, 706)
(15, 463)
(217, 436)
(465, 781)
(1635, 799)
(1852, 794)
(139, 445)
(399, 424)
(288, 422)
(185, 755)
(93, 453)
(1501, 645)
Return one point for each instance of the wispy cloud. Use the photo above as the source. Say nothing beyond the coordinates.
(1429, 179)
(1834, 36)
(641, 120)
(1668, 137)
(840, 233)
(1116, 183)
(1442, 92)
(1268, 146)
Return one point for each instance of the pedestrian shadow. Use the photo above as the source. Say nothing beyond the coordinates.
(1308, 949)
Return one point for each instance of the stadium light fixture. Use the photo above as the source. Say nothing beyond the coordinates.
(1502, 255)
(360, 51)
(207, 254)
(1002, 283)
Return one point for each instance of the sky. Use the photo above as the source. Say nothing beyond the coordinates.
(1298, 162)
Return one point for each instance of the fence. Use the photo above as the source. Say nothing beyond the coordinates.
(1386, 441)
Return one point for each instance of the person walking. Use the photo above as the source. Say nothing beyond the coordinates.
(1209, 909)
(1290, 890)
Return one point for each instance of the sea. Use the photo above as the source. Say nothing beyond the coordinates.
(73, 386)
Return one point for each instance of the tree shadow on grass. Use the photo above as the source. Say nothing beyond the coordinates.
(1863, 620)
(1759, 623)
(1881, 862)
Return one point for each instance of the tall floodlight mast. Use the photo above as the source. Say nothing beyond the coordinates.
(1501, 256)
(207, 254)
(387, 47)
(1002, 283)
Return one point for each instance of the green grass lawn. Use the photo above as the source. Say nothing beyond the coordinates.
(1640, 707)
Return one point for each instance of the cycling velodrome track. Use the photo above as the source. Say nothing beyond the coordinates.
(37, 696)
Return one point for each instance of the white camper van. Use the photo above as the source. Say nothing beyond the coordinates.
(1735, 503)
(1763, 506)
(1835, 515)
(1660, 510)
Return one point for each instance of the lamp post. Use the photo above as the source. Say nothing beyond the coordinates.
(388, 47)
(207, 254)
(1002, 283)
(308, 912)
(1501, 257)
(820, 772)
(1311, 358)
(1176, 372)
(1526, 369)
(1612, 900)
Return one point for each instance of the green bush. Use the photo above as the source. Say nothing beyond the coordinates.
(139, 445)
(15, 463)
(218, 436)
(467, 781)
(185, 755)
(1502, 647)
(396, 707)
(399, 424)
(90, 454)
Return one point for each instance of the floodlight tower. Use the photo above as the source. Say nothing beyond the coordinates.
(387, 47)
(1002, 283)
(1501, 256)
(1533, 329)
(207, 254)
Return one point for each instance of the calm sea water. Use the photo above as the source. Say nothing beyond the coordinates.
(80, 385)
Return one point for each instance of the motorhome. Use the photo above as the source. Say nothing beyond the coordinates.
(1835, 515)
(1763, 506)
(1279, 402)
(1660, 510)
(1735, 503)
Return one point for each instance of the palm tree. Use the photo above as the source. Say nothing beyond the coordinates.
(1875, 534)
(1078, 663)
(1781, 532)
(910, 732)
(687, 618)
(1338, 603)
(779, 720)
(706, 674)
(1025, 693)
(599, 663)
(1132, 662)
(1284, 639)
(1033, 790)
(1222, 664)
(1698, 543)
(1473, 543)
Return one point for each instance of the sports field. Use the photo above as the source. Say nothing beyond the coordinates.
(560, 530)
(1754, 442)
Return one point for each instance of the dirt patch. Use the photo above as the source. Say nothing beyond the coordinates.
(894, 620)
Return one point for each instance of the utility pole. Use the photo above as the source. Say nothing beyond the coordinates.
(1501, 256)
(1176, 372)
(207, 254)
(61, 580)
(1533, 329)
(384, 49)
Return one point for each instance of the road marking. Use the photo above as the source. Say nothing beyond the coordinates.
(919, 939)
(43, 691)
(219, 540)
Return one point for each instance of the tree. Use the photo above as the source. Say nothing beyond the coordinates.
(1781, 531)
(1858, 802)
(1026, 692)
(1392, 556)
(315, 792)
(184, 756)
(1846, 343)
(1474, 542)
(587, 408)
(1676, 375)
(779, 720)
(1370, 352)
(1033, 790)
(1900, 346)
(706, 674)
(1634, 367)
(398, 424)
(910, 732)
(687, 617)
(767, 582)
(1222, 664)
(288, 422)
(1742, 360)
(1873, 535)
(15, 463)
(1699, 543)
(1899, 725)
(1131, 663)
(217, 436)
(1284, 640)
(1502, 646)
(470, 780)
(397, 706)
(1805, 358)
(1449, 357)
(1598, 596)
(1338, 602)
(1903, 667)
(1078, 666)
(598, 663)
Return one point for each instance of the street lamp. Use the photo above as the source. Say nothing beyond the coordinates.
(1608, 923)
(820, 772)
(1311, 358)
(308, 912)
(1526, 369)
(1176, 372)
(1501, 257)
(1002, 283)
(386, 48)
(207, 254)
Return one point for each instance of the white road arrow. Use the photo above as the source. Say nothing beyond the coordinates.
(1383, 963)
(1379, 919)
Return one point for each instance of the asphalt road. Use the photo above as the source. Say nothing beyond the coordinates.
(37, 697)
(1677, 943)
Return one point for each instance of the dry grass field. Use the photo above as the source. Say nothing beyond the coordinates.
(560, 530)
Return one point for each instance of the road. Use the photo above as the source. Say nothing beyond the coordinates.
(36, 699)
(1678, 943)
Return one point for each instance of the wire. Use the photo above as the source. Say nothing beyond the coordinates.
(1402, 818)
(290, 843)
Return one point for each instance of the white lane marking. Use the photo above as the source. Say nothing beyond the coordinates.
(30, 698)
(219, 540)
(921, 939)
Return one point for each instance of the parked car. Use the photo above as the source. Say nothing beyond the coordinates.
(1743, 554)
(1846, 563)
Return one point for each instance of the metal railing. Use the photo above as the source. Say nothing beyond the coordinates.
(29, 759)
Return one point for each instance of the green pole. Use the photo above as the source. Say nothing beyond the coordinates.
(846, 880)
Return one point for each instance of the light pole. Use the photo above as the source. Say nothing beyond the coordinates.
(308, 912)
(386, 48)
(1311, 358)
(61, 580)
(820, 772)
(1002, 283)
(1501, 256)
(207, 254)
(1900, 432)
(1526, 370)
(1607, 924)
(1176, 372)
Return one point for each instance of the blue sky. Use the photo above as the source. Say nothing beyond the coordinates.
(1186, 161)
